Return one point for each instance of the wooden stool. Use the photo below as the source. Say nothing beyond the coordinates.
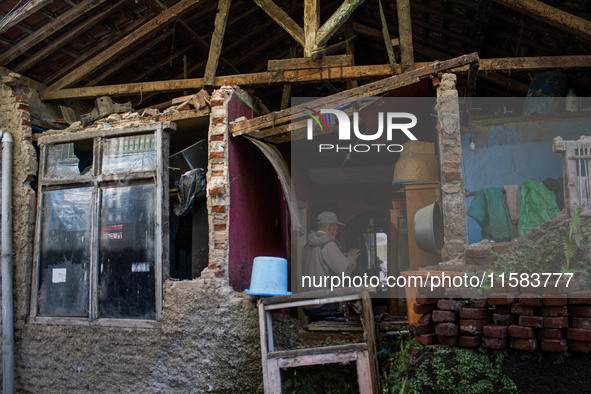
(363, 354)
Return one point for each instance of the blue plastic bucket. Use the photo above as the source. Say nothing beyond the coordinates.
(269, 277)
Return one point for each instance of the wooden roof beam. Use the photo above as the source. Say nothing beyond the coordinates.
(311, 25)
(22, 13)
(65, 38)
(150, 27)
(278, 15)
(217, 39)
(314, 76)
(49, 29)
(335, 21)
(407, 58)
(551, 15)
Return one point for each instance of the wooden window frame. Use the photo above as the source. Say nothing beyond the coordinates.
(157, 177)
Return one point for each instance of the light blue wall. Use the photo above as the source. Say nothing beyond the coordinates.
(511, 153)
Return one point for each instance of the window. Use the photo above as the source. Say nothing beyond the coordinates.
(101, 221)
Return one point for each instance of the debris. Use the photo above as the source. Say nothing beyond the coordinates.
(104, 106)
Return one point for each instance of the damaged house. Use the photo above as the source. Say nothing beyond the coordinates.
(159, 147)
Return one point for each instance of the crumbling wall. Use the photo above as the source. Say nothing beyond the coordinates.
(207, 340)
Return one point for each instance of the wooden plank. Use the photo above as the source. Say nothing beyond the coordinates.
(317, 359)
(22, 13)
(274, 378)
(278, 15)
(314, 351)
(318, 301)
(49, 29)
(311, 25)
(217, 39)
(309, 295)
(307, 63)
(67, 37)
(370, 334)
(364, 376)
(336, 20)
(407, 58)
(386, 35)
(368, 90)
(263, 341)
(551, 15)
(143, 32)
(313, 76)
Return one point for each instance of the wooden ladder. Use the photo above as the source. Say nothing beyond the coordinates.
(363, 354)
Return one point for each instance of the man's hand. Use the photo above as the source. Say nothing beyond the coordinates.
(354, 253)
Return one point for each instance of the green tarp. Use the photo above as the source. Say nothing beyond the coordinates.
(489, 210)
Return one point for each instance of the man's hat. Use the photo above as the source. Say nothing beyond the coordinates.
(328, 217)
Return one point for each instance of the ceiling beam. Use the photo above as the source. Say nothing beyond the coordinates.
(551, 15)
(278, 15)
(217, 39)
(150, 27)
(407, 59)
(47, 30)
(311, 25)
(65, 38)
(336, 20)
(22, 13)
(315, 76)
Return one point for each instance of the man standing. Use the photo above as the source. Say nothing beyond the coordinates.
(322, 254)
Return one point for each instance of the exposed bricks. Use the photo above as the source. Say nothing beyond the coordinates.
(426, 339)
(421, 329)
(522, 310)
(579, 334)
(420, 309)
(554, 311)
(494, 343)
(472, 327)
(217, 173)
(554, 345)
(469, 341)
(521, 332)
(450, 305)
(216, 191)
(217, 102)
(444, 316)
(505, 320)
(219, 227)
(556, 322)
(477, 303)
(447, 329)
(475, 313)
(502, 309)
(528, 345)
(218, 208)
(530, 300)
(581, 322)
(450, 341)
(580, 297)
(561, 301)
(494, 331)
(531, 321)
(550, 333)
(427, 301)
(452, 175)
(501, 299)
(217, 137)
(580, 311)
(216, 155)
(216, 121)
(582, 347)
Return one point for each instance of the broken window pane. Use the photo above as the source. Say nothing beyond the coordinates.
(134, 153)
(126, 253)
(65, 252)
(69, 160)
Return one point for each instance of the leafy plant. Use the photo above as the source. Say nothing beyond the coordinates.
(576, 246)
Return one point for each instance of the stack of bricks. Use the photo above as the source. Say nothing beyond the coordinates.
(555, 321)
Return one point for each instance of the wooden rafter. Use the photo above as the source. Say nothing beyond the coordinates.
(386, 35)
(551, 15)
(407, 59)
(217, 38)
(278, 15)
(142, 33)
(311, 25)
(22, 13)
(254, 127)
(315, 76)
(336, 20)
(49, 29)
(65, 38)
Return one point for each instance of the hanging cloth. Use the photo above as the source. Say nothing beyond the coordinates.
(489, 210)
(538, 205)
(513, 198)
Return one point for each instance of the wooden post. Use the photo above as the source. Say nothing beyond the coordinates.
(311, 25)
(407, 59)
(386, 34)
(217, 38)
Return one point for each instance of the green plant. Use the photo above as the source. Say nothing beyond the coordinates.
(576, 243)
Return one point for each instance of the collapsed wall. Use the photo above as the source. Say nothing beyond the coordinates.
(207, 339)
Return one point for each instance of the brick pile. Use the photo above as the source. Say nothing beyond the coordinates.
(556, 321)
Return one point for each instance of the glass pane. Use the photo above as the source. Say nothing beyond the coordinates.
(133, 153)
(72, 160)
(65, 252)
(126, 253)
